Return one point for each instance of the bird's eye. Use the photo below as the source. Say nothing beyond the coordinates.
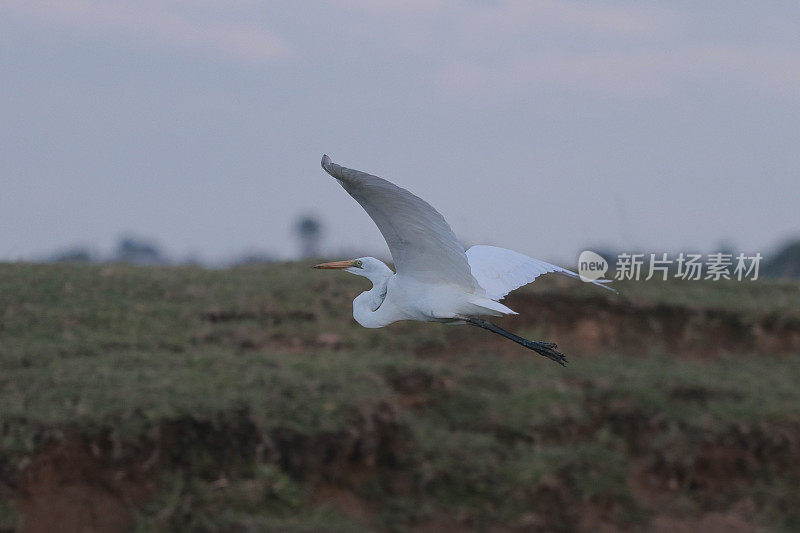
(357, 263)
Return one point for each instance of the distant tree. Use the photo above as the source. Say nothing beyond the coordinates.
(138, 252)
(71, 255)
(726, 247)
(309, 230)
(253, 258)
(785, 263)
(191, 260)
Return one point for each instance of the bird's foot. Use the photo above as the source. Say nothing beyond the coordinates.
(548, 349)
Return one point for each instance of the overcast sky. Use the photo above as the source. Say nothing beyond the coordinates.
(545, 127)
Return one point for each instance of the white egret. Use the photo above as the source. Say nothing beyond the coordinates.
(436, 279)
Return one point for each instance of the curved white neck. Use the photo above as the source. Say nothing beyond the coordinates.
(368, 307)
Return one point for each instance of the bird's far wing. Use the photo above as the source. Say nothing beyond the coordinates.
(421, 243)
(500, 271)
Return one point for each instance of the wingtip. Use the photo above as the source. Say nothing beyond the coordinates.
(604, 284)
(329, 166)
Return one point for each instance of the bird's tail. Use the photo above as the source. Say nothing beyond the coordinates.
(486, 307)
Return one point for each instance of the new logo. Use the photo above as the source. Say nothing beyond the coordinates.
(591, 266)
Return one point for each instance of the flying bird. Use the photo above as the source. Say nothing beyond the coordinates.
(436, 279)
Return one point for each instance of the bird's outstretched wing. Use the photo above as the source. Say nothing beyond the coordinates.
(500, 271)
(421, 242)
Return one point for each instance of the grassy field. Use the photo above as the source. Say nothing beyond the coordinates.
(166, 399)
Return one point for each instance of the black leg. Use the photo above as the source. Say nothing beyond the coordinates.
(547, 349)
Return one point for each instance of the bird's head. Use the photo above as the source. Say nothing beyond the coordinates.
(369, 267)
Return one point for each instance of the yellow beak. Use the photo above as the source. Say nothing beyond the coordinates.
(336, 265)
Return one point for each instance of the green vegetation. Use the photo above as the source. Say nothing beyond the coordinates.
(248, 399)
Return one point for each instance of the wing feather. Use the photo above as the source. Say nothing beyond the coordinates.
(421, 242)
(500, 271)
